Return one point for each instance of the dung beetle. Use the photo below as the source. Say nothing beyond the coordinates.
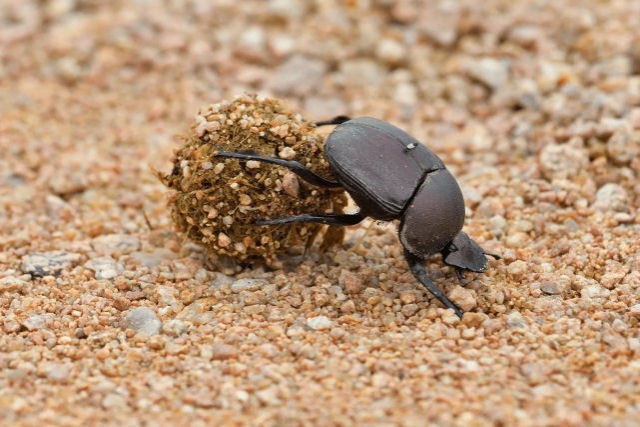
(391, 175)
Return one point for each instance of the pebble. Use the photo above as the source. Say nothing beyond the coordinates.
(319, 322)
(391, 51)
(492, 72)
(104, 267)
(299, 75)
(593, 291)
(40, 264)
(115, 244)
(622, 146)
(220, 351)
(143, 319)
(247, 285)
(351, 283)
(34, 322)
(463, 298)
(12, 284)
(291, 185)
(562, 161)
(154, 258)
(550, 288)
(611, 197)
(517, 268)
(435, 20)
(174, 327)
(287, 153)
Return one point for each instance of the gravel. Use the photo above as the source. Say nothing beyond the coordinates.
(108, 316)
(40, 264)
(143, 319)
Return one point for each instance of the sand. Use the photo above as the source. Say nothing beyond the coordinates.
(109, 316)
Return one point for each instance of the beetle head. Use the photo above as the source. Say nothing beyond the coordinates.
(464, 253)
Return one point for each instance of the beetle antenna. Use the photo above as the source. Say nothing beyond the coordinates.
(495, 256)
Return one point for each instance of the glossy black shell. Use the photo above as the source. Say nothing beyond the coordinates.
(380, 165)
(434, 216)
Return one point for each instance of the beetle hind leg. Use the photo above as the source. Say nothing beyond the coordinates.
(329, 219)
(418, 269)
(338, 120)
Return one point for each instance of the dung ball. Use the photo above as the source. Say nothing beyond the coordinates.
(216, 200)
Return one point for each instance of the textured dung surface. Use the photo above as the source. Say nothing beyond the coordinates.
(216, 200)
(534, 106)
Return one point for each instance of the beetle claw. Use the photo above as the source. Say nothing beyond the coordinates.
(460, 276)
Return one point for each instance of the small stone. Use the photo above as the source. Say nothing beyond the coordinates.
(593, 291)
(409, 310)
(220, 351)
(468, 333)
(247, 285)
(115, 244)
(113, 401)
(287, 153)
(463, 298)
(291, 185)
(253, 164)
(622, 147)
(635, 310)
(268, 396)
(319, 322)
(143, 319)
(40, 264)
(152, 259)
(492, 72)
(245, 199)
(515, 319)
(34, 322)
(221, 280)
(449, 318)
(352, 284)
(474, 319)
(104, 267)
(517, 268)
(550, 288)
(174, 327)
(362, 73)
(57, 372)
(223, 240)
(391, 51)
(562, 161)
(348, 307)
(12, 284)
(436, 21)
(299, 75)
(523, 225)
(408, 297)
(611, 197)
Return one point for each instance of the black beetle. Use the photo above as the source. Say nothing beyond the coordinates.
(391, 175)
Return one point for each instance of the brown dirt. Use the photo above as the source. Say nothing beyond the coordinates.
(107, 315)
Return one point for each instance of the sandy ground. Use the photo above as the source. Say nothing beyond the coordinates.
(108, 318)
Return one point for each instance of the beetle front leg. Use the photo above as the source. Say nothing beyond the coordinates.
(420, 272)
(295, 167)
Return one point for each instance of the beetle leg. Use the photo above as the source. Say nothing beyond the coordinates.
(292, 165)
(338, 120)
(420, 272)
(330, 219)
(460, 275)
